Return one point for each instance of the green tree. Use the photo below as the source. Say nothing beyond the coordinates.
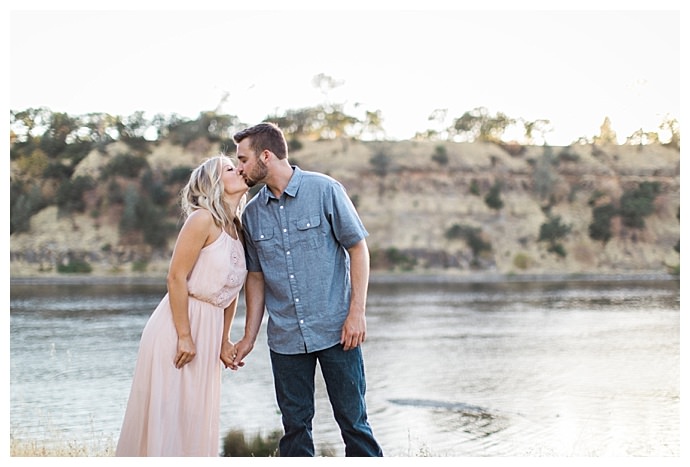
(552, 232)
(606, 134)
(479, 125)
(297, 122)
(373, 125)
(101, 128)
(27, 124)
(545, 176)
(472, 236)
(70, 194)
(637, 204)
(154, 188)
(25, 201)
(129, 221)
(337, 122)
(493, 197)
(536, 130)
(55, 138)
(440, 128)
(641, 137)
(125, 165)
(600, 228)
(474, 187)
(381, 163)
(208, 125)
(440, 155)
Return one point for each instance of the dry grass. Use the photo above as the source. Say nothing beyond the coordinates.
(60, 447)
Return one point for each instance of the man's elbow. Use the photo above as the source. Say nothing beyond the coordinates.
(360, 247)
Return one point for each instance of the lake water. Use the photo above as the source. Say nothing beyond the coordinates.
(490, 369)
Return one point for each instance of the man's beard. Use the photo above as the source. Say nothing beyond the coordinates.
(259, 173)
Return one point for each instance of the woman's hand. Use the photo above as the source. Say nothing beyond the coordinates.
(235, 359)
(186, 351)
(227, 354)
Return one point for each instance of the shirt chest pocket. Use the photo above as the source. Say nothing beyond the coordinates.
(266, 242)
(309, 232)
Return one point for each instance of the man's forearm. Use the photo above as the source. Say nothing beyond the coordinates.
(359, 276)
(255, 302)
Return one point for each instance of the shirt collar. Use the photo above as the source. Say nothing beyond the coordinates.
(290, 190)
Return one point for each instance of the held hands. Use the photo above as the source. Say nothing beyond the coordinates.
(186, 351)
(233, 357)
(230, 355)
(227, 354)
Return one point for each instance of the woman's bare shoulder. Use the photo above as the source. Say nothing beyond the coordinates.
(200, 219)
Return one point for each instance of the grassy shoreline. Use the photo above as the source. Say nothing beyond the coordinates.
(59, 447)
(375, 278)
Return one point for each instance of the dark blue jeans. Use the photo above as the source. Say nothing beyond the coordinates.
(343, 373)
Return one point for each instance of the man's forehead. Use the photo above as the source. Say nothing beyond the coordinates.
(243, 147)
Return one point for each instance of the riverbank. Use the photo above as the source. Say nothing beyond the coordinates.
(375, 278)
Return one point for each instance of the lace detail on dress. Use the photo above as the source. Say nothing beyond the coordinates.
(224, 296)
(234, 280)
(235, 257)
(227, 293)
(231, 286)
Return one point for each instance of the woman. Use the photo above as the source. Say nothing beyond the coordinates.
(174, 403)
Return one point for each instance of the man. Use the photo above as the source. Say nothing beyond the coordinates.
(308, 265)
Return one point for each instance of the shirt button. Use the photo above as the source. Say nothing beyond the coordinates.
(308, 224)
(284, 230)
(292, 276)
(262, 236)
(282, 207)
(301, 321)
(287, 253)
(296, 300)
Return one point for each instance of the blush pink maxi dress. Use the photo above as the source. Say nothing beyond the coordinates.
(176, 412)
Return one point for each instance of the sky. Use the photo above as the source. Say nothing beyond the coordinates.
(573, 67)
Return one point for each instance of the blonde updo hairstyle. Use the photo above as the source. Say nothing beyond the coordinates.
(205, 191)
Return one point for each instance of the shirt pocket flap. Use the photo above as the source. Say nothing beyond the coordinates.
(307, 223)
(262, 235)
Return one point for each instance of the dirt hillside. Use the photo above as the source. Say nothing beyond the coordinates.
(410, 195)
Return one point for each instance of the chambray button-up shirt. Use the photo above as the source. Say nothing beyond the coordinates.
(299, 242)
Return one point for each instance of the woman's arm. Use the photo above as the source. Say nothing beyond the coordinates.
(254, 297)
(227, 348)
(192, 237)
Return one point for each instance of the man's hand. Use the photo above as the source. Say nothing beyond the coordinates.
(354, 331)
(242, 349)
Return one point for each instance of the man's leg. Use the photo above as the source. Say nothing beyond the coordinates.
(346, 385)
(293, 377)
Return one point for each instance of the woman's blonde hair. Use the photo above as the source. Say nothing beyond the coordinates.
(205, 191)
